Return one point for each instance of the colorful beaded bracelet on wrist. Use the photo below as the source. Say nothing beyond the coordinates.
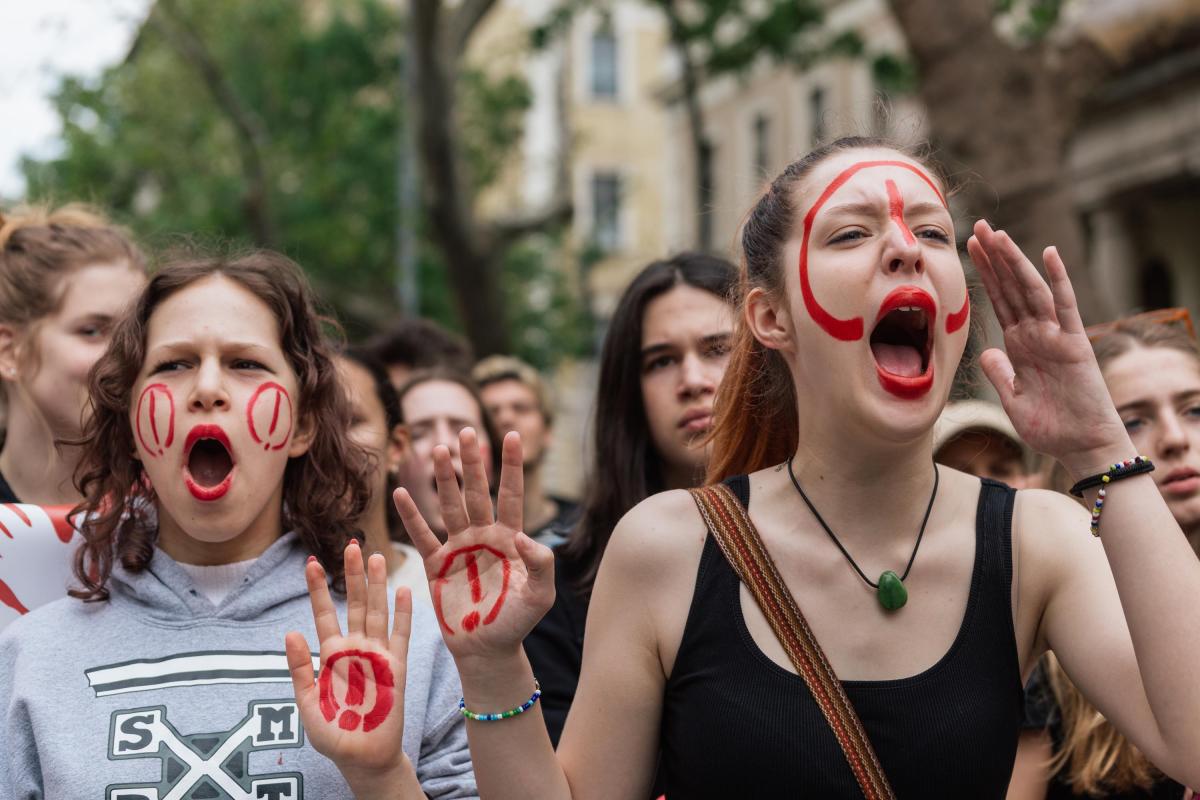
(1138, 465)
(512, 712)
(1125, 469)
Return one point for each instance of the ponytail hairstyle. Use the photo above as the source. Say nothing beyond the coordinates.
(626, 468)
(324, 490)
(755, 423)
(40, 247)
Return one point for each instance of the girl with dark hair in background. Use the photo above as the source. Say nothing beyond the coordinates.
(214, 464)
(663, 357)
(65, 276)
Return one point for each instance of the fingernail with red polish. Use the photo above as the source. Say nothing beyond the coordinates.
(311, 559)
(354, 542)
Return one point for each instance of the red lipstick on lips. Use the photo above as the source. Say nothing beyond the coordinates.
(909, 388)
(206, 493)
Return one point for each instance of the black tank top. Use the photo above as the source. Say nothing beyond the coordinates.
(737, 725)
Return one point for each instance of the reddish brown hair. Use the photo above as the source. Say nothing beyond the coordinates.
(322, 489)
(755, 423)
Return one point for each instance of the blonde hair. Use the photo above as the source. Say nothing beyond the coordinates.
(1094, 757)
(39, 246)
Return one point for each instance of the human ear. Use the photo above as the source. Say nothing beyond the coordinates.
(768, 320)
(302, 437)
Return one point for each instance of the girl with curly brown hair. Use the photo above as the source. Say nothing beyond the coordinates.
(215, 462)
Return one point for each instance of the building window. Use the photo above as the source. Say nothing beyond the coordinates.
(606, 210)
(604, 65)
(762, 146)
(816, 115)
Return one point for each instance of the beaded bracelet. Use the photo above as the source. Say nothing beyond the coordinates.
(512, 712)
(1139, 465)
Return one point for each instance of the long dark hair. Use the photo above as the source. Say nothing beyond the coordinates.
(626, 467)
(322, 489)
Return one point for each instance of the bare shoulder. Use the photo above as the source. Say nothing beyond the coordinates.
(662, 532)
(1049, 522)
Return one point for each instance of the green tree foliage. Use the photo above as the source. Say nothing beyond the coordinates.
(319, 84)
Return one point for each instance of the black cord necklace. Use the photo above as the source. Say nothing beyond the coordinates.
(890, 586)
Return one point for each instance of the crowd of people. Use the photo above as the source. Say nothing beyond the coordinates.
(303, 568)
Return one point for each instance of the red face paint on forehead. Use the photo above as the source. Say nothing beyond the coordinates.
(846, 330)
(896, 211)
(154, 422)
(269, 416)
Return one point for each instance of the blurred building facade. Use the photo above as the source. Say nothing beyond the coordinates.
(596, 131)
(1134, 158)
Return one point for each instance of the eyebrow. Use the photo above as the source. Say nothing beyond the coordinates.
(186, 343)
(662, 347)
(1138, 405)
(655, 349)
(873, 209)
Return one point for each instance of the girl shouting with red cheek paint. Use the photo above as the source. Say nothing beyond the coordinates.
(220, 420)
(835, 616)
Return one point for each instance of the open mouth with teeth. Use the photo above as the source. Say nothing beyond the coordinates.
(902, 342)
(208, 464)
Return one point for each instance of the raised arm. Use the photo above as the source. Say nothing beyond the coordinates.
(1119, 614)
(490, 585)
(488, 605)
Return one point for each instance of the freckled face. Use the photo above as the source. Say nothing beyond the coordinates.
(876, 291)
(213, 410)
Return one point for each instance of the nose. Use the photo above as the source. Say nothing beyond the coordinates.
(901, 251)
(209, 392)
(1172, 437)
(444, 434)
(696, 378)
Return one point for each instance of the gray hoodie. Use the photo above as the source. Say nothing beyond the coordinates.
(158, 694)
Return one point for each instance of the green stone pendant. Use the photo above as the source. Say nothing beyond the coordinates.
(891, 592)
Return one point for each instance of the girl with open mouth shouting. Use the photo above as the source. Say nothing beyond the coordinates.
(220, 422)
(838, 617)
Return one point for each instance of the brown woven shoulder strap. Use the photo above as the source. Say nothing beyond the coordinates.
(730, 525)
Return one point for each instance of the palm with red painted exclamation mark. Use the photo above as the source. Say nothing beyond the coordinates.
(490, 582)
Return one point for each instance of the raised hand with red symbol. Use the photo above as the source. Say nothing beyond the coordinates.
(353, 712)
(490, 582)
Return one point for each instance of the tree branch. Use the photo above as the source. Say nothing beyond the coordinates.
(464, 22)
(502, 233)
(250, 134)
